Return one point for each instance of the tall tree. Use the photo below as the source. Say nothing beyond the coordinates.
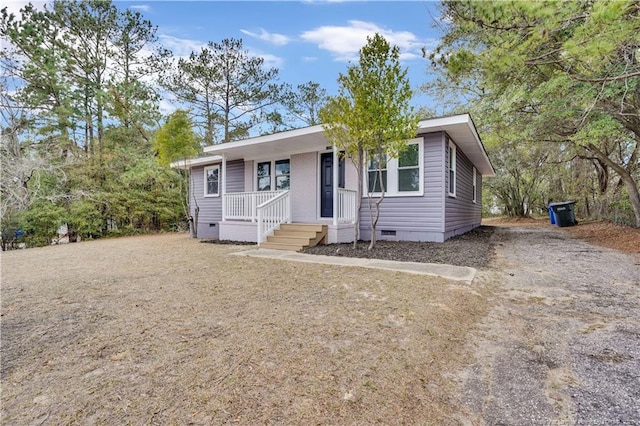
(305, 103)
(82, 152)
(567, 72)
(371, 118)
(176, 141)
(224, 86)
(138, 58)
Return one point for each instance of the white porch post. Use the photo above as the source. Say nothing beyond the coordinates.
(336, 164)
(223, 184)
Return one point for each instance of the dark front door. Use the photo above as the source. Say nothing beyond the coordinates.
(326, 185)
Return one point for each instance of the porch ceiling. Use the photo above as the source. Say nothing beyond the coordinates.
(282, 144)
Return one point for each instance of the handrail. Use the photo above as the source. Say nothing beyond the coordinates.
(346, 209)
(272, 213)
(243, 205)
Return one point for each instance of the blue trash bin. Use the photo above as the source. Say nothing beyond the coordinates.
(552, 216)
(562, 214)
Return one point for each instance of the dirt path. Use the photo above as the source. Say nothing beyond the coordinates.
(562, 345)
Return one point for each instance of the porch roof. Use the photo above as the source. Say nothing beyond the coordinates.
(195, 162)
(308, 139)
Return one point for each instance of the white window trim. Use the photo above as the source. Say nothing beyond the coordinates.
(272, 171)
(392, 175)
(474, 187)
(451, 165)
(206, 169)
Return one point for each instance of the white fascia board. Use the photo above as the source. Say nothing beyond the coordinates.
(461, 122)
(265, 139)
(195, 162)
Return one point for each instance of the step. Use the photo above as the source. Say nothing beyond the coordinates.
(301, 234)
(280, 246)
(302, 227)
(301, 241)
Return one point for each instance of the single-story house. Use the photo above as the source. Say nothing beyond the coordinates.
(246, 190)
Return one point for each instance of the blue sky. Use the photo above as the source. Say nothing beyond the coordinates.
(304, 40)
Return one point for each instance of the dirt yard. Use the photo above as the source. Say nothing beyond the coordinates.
(166, 330)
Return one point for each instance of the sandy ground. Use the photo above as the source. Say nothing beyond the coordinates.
(166, 330)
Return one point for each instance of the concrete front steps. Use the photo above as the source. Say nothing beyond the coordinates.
(296, 236)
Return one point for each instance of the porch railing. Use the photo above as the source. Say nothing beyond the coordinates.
(272, 213)
(346, 205)
(244, 205)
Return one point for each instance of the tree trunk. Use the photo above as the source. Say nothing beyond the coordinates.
(374, 219)
(360, 170)
(629, 182)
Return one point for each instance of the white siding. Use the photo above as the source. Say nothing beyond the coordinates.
(304, 187)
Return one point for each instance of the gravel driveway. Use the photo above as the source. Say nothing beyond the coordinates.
(562, 344)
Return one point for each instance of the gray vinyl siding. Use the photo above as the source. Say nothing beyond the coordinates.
(235, 176)
(211, 207)
(461, 213)
(414, 218)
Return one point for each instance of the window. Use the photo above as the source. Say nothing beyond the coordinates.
(375, 181)
(401, 176)
(475, 187)
(264, 176)
(273, 175)
(212, 181)
(452, 169)
(283, 173)
(409, 169)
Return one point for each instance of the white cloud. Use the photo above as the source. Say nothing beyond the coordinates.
(181, 47)
(270, 60)
(273, 38)
(142, 7)
(309, 58)
(167, 105)
(344, 42)
(14, 6)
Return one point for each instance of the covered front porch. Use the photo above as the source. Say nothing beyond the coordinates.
(290, 177)
(254, 216)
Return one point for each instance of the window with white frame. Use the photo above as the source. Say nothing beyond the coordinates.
(452, 169)
(475, 187)
(264, 176)
(212, 181)
(401, 176)
(377, 174)
(409, 169)
(283, 175)
(273, 175)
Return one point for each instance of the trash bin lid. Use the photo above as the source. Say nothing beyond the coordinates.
(561, 203)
